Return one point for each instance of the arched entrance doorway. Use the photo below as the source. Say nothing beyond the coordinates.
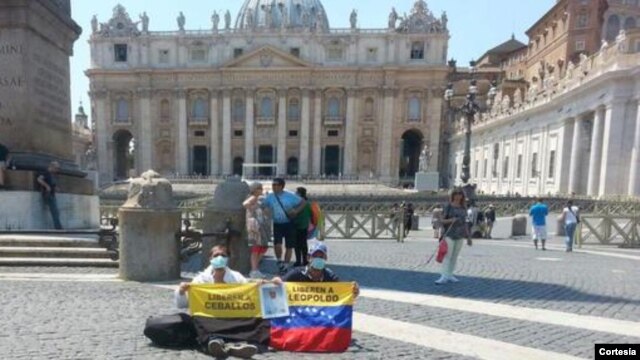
(410, 147)
(124, 149)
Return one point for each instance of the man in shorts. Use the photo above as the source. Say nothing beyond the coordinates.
(538, 213)
(284, 206)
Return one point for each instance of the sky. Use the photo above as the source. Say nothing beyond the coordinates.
(474, 25)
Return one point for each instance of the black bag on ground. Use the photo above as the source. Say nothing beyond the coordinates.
(175, 331)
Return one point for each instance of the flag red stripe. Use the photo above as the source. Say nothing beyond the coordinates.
(311, 339)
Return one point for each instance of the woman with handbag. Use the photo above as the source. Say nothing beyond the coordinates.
(571, 219)
(454, 222)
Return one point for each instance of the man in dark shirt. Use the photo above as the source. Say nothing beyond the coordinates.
(490, 218)
(316, 271)
(47, 181)
(4, 163)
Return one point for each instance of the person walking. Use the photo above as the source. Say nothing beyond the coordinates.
(490, 219)
(302, 222)
(408, 218)
(538, 214)
(455, 223)
(284, 206)
(48, 183)
(571, 219)
(258, 227)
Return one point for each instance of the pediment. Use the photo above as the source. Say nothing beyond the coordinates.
(266, 57)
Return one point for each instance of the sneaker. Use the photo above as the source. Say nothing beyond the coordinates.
(242, 350)
(217, 348)
(453, 279)
(443, 280)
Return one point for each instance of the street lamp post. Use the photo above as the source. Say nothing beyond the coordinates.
(469, 109)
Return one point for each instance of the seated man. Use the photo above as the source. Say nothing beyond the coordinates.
(316, 271)
(216, 273)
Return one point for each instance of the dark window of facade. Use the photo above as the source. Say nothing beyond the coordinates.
(292, 166)
(295, 51)
(417, 50)
(199, 133)
(120, 52)
(333, 133)
(237, 133)
(505, 167)
(334, 107)
(237, 52)
(293, 133)
(519, 167)
(293, 113)
(237, 166)
(534, 165)
(238, 110)
(552, 164)
(484, 168)
(266, 107)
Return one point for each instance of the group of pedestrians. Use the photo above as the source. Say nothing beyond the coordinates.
(292, 219)
(569, 219)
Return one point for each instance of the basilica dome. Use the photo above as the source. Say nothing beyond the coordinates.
(283, 15)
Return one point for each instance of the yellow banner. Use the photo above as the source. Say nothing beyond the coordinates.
(320, 294)
(224, 300)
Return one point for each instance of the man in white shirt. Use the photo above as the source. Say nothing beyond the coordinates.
(217, 273)
(571, 219)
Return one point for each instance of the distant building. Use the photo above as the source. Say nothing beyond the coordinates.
(280, 86)
(82, 140)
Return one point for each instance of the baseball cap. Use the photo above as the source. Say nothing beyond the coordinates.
(318, 247)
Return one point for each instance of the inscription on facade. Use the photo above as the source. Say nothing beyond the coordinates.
(51, 90)
(10, 53)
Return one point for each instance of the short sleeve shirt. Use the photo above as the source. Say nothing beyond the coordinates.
(538, 213)
(289, 201)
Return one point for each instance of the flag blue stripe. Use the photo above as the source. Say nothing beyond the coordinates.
(315, 317)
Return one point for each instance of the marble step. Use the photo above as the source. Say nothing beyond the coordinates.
(54, 252)
(67, 262)
(49, 241)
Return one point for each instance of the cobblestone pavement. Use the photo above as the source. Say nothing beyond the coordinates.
(104, 320)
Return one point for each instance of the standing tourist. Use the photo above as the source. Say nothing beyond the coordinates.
(571, 219)
(285, 206)
(258, 227)
(455, 224)
(303, 220)
(436, 221)
(490, 218)
(47, 181)
(4, 163)
(538, 213)
(408, 218)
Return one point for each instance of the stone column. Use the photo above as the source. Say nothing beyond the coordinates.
(634, 172)
(145, 144)
(282, 132)
(576, 155)
(386, 135)
(148, 222)
(214, 134)
(350, 134)
(317, 132)
(102, 121)
(249, 128)
(226, 132)
(183, 147)
(596, 153)
(305, 133)
(611, 164)
(435, 121)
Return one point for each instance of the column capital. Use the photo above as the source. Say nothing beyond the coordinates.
(390, 91)
(282, 91)
(213, 92)
(144, 92)
(99, 94)
(180, 93)
(352, 91)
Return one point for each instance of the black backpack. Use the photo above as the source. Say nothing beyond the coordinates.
(175, 331)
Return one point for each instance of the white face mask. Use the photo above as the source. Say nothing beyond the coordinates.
(318, 263)
(219, 262)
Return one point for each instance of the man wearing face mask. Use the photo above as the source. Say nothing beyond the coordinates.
(217, 273)
(316, 271)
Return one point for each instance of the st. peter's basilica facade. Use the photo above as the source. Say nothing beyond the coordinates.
(278, 87)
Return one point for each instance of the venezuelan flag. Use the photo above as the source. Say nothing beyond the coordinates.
(320, 318)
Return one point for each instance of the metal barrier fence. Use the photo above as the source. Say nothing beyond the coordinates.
(621, 230)
(339, 224)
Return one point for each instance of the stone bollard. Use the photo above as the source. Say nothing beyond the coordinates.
(226, 207)
(148, 223)
(560, 228)
(519, 225)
